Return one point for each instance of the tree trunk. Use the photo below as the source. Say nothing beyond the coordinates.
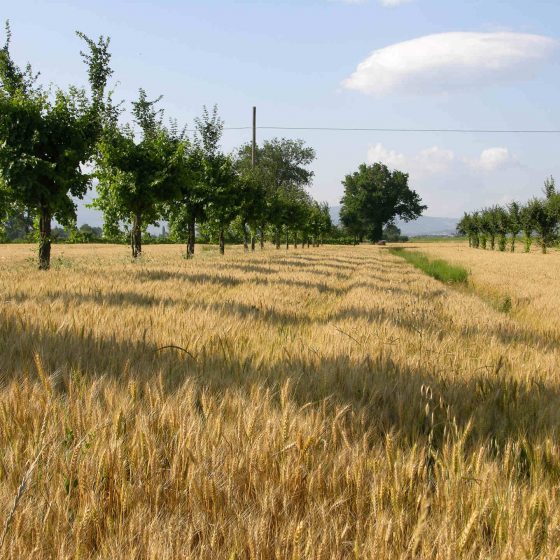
(136, 236)
(287, 240)
(295, 240)
(492, 242)
(222, 242)
(261, 234)
(190, 238)
(44, 239)
(502, 242)
(253, 242)
(277, 240)
(528, 241)
(245, 238)
(377, 233)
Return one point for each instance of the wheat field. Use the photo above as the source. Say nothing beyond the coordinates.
(305, 404)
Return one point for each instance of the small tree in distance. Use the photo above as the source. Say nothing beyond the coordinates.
(514, 222)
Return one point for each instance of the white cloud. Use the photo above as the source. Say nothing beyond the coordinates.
(429, 161)
(386, 3)
(492, 159)
(449, 61)
(434, 160)
(393, 3)
(390, 158)
(439, 161)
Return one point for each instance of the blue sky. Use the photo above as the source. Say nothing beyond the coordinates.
(491, 64)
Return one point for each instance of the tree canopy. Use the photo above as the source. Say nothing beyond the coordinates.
(48, 137)
(373, 197)
(539, 217)
(137, 173)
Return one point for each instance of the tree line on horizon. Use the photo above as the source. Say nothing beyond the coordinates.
(500, 226)
(55, 143)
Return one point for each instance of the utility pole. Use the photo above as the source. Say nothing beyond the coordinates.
(254, 136)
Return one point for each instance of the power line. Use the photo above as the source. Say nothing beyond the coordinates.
(412, 130)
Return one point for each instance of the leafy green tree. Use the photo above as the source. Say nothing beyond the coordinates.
(544, 221)
(526, 222)
(282, 171)
(326, 225)
(319, 223)
(351, 215)
(502, 226)
(225, 194)
(221, 190)
(192, 197)
(253, 212)
(375, 196)
(137, 176)
(467, 226)
(391, 233)
(489, 225)
(47, 138)
(18, 222)
(514, 223)
(549, 188)
(475, 229)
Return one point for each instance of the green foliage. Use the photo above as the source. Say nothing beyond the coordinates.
(137, 175)
(544, 219)
(439, 269)
(470, 226)
(526, 222)
(501, 216)
(538, 216)
(46, 139)
(514, 222)
(392, 234)
(375, 196)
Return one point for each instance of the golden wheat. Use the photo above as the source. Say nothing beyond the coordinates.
(323, 403)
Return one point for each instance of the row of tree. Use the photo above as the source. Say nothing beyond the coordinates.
(500, 226)
(55, 143)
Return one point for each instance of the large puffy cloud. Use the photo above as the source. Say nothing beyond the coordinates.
(492, 159)
(448, 61)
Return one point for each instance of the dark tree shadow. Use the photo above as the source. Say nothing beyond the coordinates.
(386, 396)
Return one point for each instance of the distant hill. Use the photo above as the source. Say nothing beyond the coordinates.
(425, 225)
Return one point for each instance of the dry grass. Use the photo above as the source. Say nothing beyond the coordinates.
(326, 403)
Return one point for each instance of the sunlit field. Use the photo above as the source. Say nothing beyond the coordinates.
(530, 282)
(313, 403)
